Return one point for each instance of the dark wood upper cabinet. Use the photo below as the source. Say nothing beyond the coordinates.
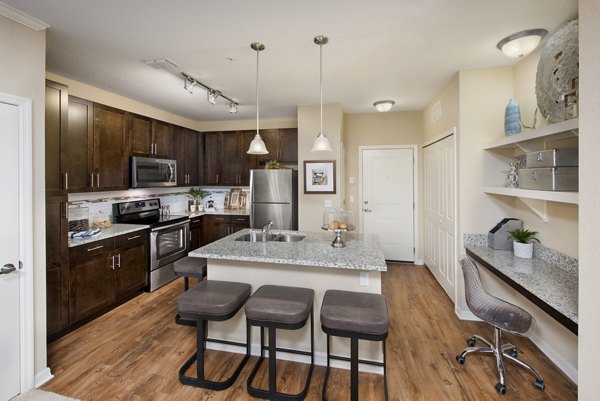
(192, 150)
(80, 137)
(140, 135)
(212, 159)
(56, 106)
(111, 161)
(288, 145)
(231, 158)
(162, 135)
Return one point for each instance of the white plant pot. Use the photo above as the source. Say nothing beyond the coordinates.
(523, 250)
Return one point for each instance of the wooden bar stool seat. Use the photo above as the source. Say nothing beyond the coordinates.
(212, 300)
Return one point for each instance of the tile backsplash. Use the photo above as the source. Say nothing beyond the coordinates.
(100, 204)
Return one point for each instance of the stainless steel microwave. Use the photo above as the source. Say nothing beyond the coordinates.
(147, 172)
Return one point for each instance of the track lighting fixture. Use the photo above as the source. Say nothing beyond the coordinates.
(233, 108)
(212, 96)
(189, 85)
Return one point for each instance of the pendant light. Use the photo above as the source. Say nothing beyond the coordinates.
(321, 142)
(257, 146)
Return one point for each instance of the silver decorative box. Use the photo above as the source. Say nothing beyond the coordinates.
(549, 178)
(552, 158)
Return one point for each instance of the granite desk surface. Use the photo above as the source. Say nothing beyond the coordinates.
(113, 231)
(553, 285)
(362, 252)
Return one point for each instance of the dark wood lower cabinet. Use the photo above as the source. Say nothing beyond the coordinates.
(57, 268)
(131, 263)
(100, 276)
(195, 233)
(215, 227)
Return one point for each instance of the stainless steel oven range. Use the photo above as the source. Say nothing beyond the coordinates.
(169, 236)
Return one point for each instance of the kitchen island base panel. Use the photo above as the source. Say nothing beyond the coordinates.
(317, 278)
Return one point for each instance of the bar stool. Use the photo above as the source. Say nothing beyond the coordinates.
(212, 300)
(187, 267)
(357, 316)
(277, 307)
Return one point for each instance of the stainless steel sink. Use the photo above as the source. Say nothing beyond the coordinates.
(288, 237)
(256, 236)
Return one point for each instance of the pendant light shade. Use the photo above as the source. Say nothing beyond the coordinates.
(257, 146)
(321, 142)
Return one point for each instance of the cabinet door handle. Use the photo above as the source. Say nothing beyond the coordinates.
(98, 179)
(112, 265)
(92, 176)
(151, 148)
(155, 149)
(66, 181)
(95, 248)
(65, 211)
(134, 237)
(217, 178)
(119, 261)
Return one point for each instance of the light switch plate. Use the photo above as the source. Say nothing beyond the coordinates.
(328, 203)
(351, 180)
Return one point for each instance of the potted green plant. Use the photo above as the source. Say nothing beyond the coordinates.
(522, 245)
(197, 194)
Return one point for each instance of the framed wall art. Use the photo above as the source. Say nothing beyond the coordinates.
(319, 176)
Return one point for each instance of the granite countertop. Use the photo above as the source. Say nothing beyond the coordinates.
(113, 231)
(362, 252)
(222, 212)
(553, 285)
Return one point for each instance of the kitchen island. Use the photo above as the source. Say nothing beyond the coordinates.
(311, 263)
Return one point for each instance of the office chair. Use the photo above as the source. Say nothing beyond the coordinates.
(500, 314)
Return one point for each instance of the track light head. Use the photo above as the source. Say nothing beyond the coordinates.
(212, 96)
(233, 108)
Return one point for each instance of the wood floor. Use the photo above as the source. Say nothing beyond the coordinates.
(135, 351)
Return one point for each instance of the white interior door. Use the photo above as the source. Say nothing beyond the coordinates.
(439, 212)
(387, 209)
(10, 311)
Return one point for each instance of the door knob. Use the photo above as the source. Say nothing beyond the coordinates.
(367, 210)
(7, 268)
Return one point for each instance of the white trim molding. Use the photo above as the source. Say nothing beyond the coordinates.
(22, 18)
(25, 236)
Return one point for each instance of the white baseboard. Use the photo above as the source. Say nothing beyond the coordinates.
(419, 262)
(562, 364)
(43, 377)
(320, 357)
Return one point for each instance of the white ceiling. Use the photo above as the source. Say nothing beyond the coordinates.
(405, 50)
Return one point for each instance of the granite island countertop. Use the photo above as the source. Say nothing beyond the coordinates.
(362, 252)
(113, 231)
(556, 287)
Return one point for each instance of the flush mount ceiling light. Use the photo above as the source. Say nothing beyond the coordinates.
(384, 105)
(257, 146)
(321, 142)
(233, 108)
(521, 43)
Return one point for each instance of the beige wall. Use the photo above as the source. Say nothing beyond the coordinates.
(589, 207)
(372, 129)
(22, 73)
(449, 101)
(311, 206)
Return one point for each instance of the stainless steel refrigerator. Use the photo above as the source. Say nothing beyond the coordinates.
(274, 196)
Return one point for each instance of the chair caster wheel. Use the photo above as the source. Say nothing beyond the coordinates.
(501, 388)
(471, 342)
(539, 384)
(460, 359)
(514, 353)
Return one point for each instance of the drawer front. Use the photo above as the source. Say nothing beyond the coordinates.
(131, 239)
(552, 158)
(240, 219)
(196, 222)
(82, 253)
(549, 179)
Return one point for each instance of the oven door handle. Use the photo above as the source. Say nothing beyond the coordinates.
(178, 224)
(171, 173)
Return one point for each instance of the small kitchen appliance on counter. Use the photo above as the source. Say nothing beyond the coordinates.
(169, 236)
(498, 237)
